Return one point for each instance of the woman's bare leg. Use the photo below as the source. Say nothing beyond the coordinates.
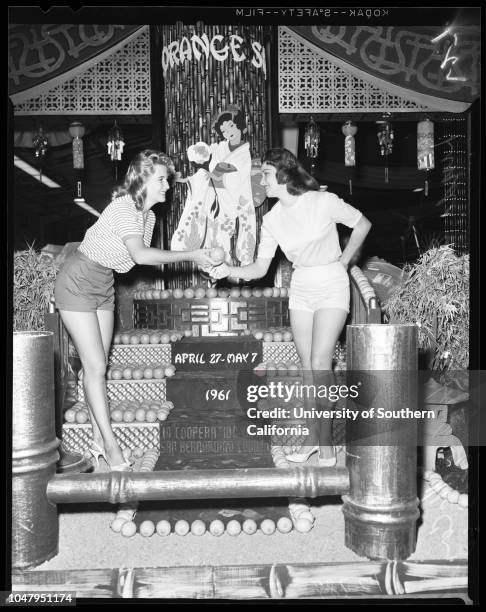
(85, 331)
(328, 324)
(301, 322)
(105, 322)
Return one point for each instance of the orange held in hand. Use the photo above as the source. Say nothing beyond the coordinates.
(217, 255)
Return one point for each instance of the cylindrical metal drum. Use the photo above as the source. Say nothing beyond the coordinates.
(34, 449)
(381, 509)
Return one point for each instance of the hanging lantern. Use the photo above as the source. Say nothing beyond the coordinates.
(40, 148)
(311, 139)
(349, 130)
(115, 146)
(40, 144)
(76, 129)
(425, 149)
(385, 140)
(115, 143)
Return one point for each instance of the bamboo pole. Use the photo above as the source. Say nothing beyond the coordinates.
(381, 510)
(35, 526)
(121, 487)
(379, 579)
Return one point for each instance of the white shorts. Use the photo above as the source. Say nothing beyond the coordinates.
(319, 287)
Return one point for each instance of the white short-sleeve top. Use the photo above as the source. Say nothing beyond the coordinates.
(306, 231)
(103, 241)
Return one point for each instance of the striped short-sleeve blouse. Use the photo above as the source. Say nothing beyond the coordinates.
(103, 242)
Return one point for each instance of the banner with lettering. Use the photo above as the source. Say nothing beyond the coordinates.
(220, 47)
(40, 56)
(431, 62)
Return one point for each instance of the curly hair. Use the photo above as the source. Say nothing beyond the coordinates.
(139, 171)
(290, 171)
(235, 115)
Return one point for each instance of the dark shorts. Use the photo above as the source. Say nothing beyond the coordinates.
(82, 285)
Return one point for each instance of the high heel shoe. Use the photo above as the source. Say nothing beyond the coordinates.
(330, 461)
(97, 452)
(122, 467)
(302, 457)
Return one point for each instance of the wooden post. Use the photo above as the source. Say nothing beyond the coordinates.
(273, 120)
(35, 525)
(381, 509)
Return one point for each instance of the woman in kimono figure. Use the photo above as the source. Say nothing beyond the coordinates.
(230, 166)
(219, 205)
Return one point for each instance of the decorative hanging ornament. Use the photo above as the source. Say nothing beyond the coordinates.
(76, 129)
(115, 146)
(349, 129)
(40, 143)
(40, 148)
(425, 149)
(311, 141)
(385, 140)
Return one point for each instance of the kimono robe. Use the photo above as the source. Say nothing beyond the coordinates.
(221, 207)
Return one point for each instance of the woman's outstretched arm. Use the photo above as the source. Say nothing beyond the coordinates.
(257, 269)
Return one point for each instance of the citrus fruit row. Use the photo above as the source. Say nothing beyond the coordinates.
(202, 292)
(144, 411)
(270, 368)
(140, 372)
(148, 336)
(273, 334)
(128, 528)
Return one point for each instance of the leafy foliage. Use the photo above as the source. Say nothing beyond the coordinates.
(435, 295)
(33, 286)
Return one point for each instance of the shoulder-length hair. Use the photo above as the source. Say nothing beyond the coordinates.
(141, 168)
(290, 171)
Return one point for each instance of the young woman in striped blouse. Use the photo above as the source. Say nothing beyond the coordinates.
(84, 290)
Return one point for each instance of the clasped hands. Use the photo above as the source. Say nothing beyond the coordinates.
(220, 271)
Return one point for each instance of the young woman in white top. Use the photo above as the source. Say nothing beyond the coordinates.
(84, 290)
(303, 223)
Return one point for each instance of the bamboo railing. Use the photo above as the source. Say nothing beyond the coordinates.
(373, 579)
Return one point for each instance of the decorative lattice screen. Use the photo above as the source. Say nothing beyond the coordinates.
(118, 85)
(310, 83)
